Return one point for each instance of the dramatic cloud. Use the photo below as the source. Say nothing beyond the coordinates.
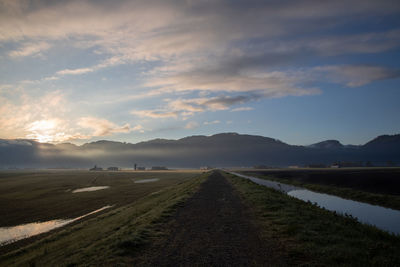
(43, 119)
(170, 60)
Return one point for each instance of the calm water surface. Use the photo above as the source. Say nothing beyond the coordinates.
(89, 189)
(383, 218)
(146, 181)
(15, 233)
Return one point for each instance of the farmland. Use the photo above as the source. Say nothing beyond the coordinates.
(29, 196)
(194, 218)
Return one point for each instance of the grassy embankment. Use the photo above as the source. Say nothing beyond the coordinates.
(109, 238)
(313, 236)
(384, 200)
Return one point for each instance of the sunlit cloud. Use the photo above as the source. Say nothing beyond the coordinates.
(30, 49)
(192, 125)
(19, 113)
(155, 114)
(51, 130)
(74, 71)
(103, 127)
(242, 109)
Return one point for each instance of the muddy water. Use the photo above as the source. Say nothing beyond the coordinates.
(146, 181)
(89, 189)
(381, 217)
(15, 233)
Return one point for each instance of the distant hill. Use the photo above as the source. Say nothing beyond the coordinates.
(385, 141)
(328, 144)
(222, 150)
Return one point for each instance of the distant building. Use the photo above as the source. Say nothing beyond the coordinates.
(294, 167)
(95, 168)
(349, 164)
(206, 168)
(159, 168)
(141, 168)
(113, 168)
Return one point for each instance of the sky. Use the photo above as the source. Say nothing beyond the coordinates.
(299, 71)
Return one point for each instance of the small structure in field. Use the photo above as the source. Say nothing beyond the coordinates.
(206, 168)
(159, 168)
(141, 168)
(95, 168)
(113, 168)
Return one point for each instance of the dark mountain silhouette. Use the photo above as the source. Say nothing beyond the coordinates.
(328, 144)
(391, 142)
(223, 150)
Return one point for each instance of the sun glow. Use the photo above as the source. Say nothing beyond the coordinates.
(44, 131)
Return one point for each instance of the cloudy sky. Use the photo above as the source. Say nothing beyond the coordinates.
(300, 71)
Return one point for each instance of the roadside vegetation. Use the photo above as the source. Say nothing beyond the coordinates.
(384, 200)
(111, 238)
(313, 236)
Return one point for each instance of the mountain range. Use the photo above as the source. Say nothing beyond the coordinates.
(222, 150)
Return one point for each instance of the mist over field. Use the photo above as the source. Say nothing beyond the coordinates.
(222, 150)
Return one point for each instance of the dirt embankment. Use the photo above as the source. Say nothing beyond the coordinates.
(213, 228)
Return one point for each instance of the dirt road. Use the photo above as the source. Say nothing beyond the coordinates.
(213, 228)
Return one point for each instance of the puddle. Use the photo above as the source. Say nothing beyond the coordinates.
(146, 181)
(381, 217)
(14, 233)
(90, 189)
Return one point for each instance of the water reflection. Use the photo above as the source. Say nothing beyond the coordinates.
(271, 184)
(15, 233)
(89, 189)
(146, 181)
(383, 218)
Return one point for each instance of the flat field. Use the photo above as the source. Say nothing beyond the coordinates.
(212, 219)
(30, 196)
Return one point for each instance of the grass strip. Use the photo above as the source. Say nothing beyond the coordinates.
(313, 236)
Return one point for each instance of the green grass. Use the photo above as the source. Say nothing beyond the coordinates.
(27, 196)
(312, 236)
(384, 200)
(111, 238)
